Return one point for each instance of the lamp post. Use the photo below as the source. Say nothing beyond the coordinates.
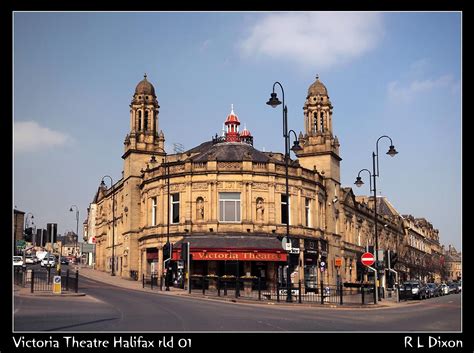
(77, 230)
(375, 173)
(167, 245)
(102, 184)
(273, 102)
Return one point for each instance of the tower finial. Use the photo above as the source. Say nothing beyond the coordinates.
(317, 76)
(232, 109)
(144, 75)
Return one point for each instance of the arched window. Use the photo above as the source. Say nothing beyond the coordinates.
(146, 120)
(139, 120)
(322, 122)
(315, 122)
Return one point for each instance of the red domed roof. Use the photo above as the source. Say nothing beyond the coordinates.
(232, 118)
(245, 133)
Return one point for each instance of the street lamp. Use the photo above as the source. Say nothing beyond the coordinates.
(77, 230)
(274, 102)
(167, 245)
(102, 185)
(375, 173)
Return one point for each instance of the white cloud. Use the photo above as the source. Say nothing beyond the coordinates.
(314, 39)
(29, 136)
(407, 92)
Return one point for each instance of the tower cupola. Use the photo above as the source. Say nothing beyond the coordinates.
(232, 127)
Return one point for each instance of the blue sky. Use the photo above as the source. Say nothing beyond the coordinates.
(396, 74)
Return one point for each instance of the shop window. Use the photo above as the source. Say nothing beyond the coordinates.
(229, 207)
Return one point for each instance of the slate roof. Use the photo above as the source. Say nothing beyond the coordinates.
(229, 152)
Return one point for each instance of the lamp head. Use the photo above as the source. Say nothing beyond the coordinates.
(359, 182)
(273, 101)
(392, 151)
(296, 146)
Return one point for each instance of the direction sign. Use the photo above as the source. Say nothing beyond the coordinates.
(367, 259)
(57, 285)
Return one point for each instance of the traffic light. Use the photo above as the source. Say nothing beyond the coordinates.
(184, 251)
(393, 259)
(387, 254)
(28, 234)
(167, 251)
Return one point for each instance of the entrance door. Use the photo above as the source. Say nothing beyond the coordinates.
(310, 278)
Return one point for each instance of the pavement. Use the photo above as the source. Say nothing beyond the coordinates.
(118, 281)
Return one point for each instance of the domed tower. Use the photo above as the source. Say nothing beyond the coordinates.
(246, 136)
(144, 138)
(232, 127)
(320, 146)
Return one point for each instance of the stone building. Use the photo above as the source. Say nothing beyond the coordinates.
(227, 199)
(18, 221)
(453, 264)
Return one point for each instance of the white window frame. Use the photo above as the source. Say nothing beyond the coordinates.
(307, 208)
(172, 203)
(289, 209)
(154, 214)
(222, 211)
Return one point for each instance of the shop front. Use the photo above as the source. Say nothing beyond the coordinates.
(244, 257)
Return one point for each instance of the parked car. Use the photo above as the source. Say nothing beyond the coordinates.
(29, 259)
(412, 290)
(48, 261)
(460, 286)
(433, 290)
(453, 288)
(444, 289)
(17, 261)
(64, 261)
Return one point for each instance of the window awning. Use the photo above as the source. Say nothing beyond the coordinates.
(223, 248)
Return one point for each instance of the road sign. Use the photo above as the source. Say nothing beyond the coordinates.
(285, 244)
(338, 262)
(57, 284)
(367, 259)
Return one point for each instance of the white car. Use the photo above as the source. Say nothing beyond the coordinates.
(48, 261)
(29, 259)
(17, 261)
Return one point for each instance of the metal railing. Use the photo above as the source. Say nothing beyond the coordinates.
(258, 289)
(41, 280)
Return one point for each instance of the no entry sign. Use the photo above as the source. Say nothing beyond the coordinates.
(367, 259)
